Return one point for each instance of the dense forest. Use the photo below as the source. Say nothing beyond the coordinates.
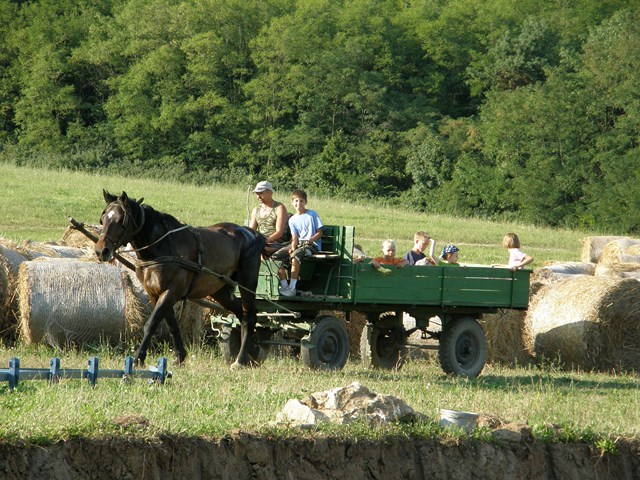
(523, 109)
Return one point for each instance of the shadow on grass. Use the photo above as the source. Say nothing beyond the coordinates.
(499, 382)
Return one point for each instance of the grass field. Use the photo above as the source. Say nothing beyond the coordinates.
(205, 398)
(36, 205)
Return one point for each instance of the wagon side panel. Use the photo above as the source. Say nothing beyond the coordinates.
(485, 287)
(410, 285)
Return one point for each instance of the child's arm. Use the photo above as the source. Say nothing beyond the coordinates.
(525, 261)
(316, 236)
(294, 242)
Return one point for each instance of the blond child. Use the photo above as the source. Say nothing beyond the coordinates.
(416, 255)
(388, 256)
(517, 258)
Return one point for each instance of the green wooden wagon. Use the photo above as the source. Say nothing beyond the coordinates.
(446, 303)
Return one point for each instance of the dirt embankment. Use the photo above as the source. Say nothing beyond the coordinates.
(246, 456)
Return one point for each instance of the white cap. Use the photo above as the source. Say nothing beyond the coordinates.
(262, 186)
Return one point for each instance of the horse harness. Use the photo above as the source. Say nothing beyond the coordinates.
(196, 267)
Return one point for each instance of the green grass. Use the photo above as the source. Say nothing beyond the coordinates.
(36, 205)
(205, 398)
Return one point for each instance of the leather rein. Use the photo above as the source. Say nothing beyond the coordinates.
(196, 267)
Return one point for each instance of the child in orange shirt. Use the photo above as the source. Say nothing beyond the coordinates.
(388, 256)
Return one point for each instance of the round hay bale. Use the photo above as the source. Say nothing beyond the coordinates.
(193, 319)
(591, 323)
(633, 249)
(10, 262)
(355, 325)
(505, 337)
(592, 247)
(570, 268)
(616, 251)
(74, 238)
(618, 270)
(39, 249)
(61, 251)
(543, 276)
(7, 327)
(66, 302)
(13, 257)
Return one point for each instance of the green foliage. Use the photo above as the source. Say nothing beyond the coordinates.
(515, 60)
(485, 107)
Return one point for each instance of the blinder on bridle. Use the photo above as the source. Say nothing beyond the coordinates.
(127, 222)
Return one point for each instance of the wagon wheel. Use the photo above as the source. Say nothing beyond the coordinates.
(328, 345)
(463, 347)
(382, 347)
(229, 341)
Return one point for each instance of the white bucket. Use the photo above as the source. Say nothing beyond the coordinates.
(465, 420)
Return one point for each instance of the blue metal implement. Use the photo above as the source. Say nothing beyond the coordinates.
(14, 374)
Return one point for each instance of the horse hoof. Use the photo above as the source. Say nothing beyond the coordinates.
(236, 366)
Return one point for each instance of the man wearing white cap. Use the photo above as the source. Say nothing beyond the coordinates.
(269, 217)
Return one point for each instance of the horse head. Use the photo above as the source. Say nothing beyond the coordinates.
(121, 220)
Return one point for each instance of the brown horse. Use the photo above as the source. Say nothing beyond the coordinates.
(177, 261)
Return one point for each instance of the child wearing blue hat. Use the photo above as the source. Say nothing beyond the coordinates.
(449, 256)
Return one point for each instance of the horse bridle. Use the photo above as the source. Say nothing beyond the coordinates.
(127, 222)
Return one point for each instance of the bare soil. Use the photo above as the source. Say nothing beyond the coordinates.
(512, 455)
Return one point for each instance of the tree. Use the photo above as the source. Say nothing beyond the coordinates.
(609, 69)
(516, 59)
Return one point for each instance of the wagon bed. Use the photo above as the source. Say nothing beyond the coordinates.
(331, 281)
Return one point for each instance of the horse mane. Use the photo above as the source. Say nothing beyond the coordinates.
(168, 220)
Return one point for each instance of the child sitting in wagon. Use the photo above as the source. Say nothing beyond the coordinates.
(449, 256)
(388, 256)
(416, 256)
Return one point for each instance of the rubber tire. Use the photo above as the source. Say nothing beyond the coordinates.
(463, 348)
(229, 341)
(379, 350)
(330, 342)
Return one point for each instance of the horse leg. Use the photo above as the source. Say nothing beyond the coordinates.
(248, 348)
(162, 309)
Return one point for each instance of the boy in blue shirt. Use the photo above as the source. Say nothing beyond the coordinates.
(306, 232)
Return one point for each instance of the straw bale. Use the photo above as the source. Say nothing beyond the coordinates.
(591, 323)
(13, 255)
(7, 327)
(505, 337)
(618, 270)
(193, 319)
(616, 251)
(74, 238)
(570, 268)
(10, 261)
(592, 247)
(355, 325)
(39, 249)
(547, 275)
(64, 302)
